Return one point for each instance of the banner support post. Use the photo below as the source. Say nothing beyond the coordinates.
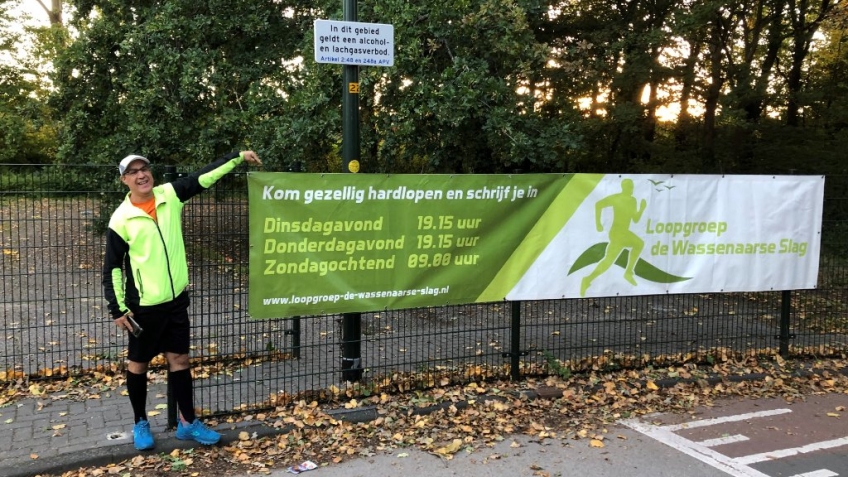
(785, 330)
(785, 316)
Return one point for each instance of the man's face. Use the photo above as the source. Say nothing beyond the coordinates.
(138, 178)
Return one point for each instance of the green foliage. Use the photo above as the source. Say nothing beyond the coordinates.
(460, 98)
(556, 366)
(178, 462)
(182, 83)
(478, 86)
(175, 80)
(56, 180)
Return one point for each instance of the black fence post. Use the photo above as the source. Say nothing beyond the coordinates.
(294, 331)
(352, 347)
(515, 352)
(785, 312)
(515, 340)
(170, 173)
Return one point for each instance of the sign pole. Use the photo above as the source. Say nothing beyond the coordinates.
(351, 44)
(351, 322)
(350, 103)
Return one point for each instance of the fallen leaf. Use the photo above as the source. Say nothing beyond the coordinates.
(450, 449)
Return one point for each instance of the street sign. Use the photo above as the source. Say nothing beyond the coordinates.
(354, 43)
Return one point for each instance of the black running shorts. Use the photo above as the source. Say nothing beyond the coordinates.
(166, 330)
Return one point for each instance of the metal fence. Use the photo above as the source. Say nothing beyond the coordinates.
(55, 324)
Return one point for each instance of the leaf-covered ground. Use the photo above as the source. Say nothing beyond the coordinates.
(470, 418)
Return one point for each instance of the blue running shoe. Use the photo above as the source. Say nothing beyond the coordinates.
(142, 437)
(197, 431)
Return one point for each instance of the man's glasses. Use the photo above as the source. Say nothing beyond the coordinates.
(133, 172)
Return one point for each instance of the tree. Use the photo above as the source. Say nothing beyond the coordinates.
(464, 95)
(805, 19)
(477, 86)
(177, 80)
(175, 77)
(26, 132)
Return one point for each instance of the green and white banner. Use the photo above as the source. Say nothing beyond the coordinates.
(332, 243)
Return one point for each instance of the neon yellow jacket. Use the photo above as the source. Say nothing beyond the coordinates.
(145, 262)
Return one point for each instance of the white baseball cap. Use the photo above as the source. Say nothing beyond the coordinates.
(125, 162)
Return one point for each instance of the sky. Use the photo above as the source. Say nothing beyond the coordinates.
(34, 10)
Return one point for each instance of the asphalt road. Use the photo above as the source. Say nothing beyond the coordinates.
(627, 452)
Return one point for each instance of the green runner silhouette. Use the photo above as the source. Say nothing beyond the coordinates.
(620, 237)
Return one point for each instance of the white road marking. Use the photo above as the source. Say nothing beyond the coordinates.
(818, 473)
(722, 420)
(720, 441)
(693, 449)
(779, 454)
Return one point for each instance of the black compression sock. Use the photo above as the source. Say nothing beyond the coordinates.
(137, 390)
(181, 386)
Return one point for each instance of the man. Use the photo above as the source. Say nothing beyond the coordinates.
(145, 276)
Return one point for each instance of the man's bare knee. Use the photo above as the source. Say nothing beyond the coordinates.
(177, 362)
(136, 368)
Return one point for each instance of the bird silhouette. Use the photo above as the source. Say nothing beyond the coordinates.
(655, 182)
(669, 187)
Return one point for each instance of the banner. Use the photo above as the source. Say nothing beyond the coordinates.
(332, 243)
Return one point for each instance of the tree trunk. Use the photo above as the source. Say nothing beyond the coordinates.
(54, 12)
(712, 96)
(802, 34)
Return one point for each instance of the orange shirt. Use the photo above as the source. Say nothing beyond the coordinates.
(149, 207)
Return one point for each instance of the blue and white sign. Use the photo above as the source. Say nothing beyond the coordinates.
(354, 43)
